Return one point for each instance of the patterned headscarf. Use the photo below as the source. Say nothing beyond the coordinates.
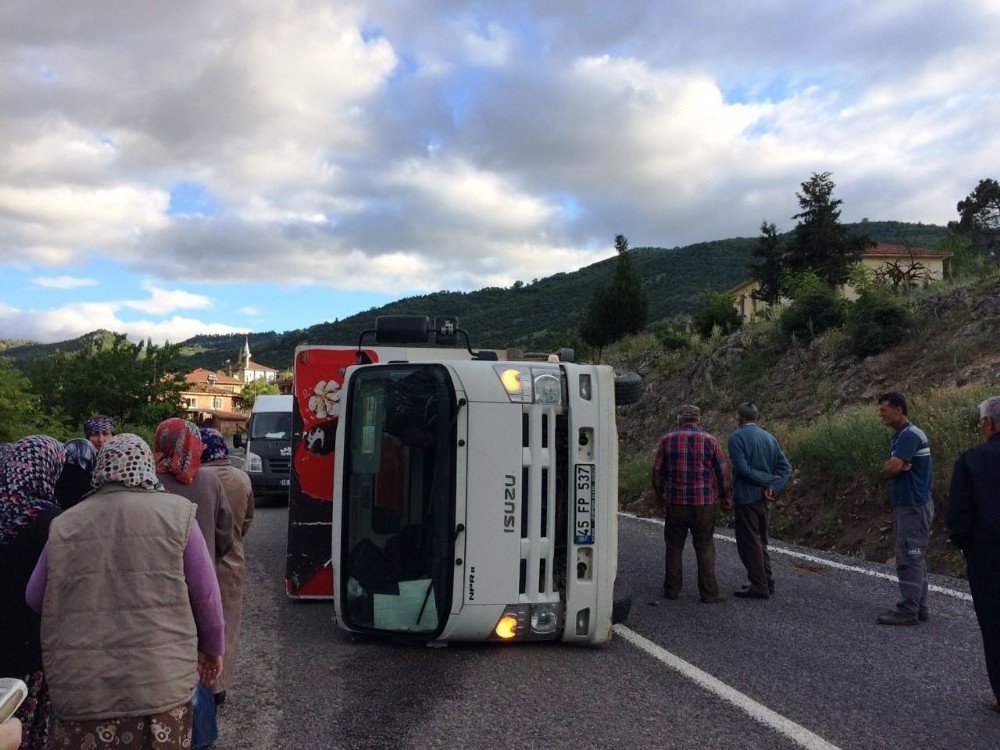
(125, 459)
(5, 449)
(215, 446)
(81, 452)
(28, 477)
(178, 449)
(98, 423)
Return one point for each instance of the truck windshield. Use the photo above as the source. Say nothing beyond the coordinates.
(271, 425)
(399, 499)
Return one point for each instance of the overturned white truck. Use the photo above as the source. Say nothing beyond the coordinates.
(475, 499)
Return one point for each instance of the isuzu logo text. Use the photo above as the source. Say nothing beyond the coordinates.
(509, 502)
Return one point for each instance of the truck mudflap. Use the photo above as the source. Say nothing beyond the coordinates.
(318, 378)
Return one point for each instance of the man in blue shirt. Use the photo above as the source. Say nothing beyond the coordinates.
(760, 470)
(911, 475)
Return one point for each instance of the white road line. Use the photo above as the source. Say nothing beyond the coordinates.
(821, 561)
(761, 713)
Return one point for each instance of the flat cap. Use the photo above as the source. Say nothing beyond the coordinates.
(688, 411)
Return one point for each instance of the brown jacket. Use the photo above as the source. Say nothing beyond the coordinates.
(118, 634)
(214, 517)
(230, 569)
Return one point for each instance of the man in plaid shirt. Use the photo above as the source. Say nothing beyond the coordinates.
(688, 472)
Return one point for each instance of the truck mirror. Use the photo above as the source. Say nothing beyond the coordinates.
(237, 440)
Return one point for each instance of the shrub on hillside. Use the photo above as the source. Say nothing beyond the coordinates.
(849, 448)
(671, 336)
(716, 309)
(876, 321)
(816, 307)
(633, 477)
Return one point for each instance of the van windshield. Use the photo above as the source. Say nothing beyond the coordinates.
(399, 492)
(271, 425)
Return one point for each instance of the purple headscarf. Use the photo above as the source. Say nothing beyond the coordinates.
(215, 446)
(28, 477)
(97, 424)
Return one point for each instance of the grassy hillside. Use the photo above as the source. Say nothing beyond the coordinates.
(538, 315)
(820, 403)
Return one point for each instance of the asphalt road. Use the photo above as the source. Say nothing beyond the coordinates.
(810, 659)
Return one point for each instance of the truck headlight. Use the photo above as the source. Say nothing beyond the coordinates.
(531, 384)
(544, 618)
(253, 463)
(527, 622)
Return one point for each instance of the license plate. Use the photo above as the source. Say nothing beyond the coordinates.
(583, 531)
(284, 482)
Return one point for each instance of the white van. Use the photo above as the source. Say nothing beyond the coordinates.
(269, 446)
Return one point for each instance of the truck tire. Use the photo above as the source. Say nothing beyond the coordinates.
(621, 602)
(628, 387)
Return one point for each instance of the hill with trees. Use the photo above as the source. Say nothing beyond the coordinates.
(536, 315)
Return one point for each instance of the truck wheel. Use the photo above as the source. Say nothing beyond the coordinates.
(621, 602)
(628, 386)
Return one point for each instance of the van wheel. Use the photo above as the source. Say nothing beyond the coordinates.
(621, 602)
(628, 387)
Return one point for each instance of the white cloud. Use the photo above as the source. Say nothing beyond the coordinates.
(164, 301)
(62, 282)
(248, 310)
(70, 321)
(404, 147)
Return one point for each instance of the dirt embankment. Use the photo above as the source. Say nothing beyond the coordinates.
(952, 343)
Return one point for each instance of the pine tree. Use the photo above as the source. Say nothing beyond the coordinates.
(618, 308)
(820, 243)
(768, 272)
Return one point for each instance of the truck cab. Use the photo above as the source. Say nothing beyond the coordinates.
(476, 500)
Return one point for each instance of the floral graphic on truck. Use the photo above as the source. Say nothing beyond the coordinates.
(326, 396)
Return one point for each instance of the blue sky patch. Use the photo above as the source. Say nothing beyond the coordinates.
(191, 199)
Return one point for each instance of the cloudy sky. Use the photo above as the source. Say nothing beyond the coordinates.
(170, 168)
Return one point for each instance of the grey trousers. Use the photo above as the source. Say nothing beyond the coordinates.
(912, 529)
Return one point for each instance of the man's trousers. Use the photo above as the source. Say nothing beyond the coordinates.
(983, 565)
(750, 525)
(700, 520)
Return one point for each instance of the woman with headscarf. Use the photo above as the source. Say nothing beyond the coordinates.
(28, 473)
(177, 451)
(239, 493)
(131, 611)
(99, 429)
(74, 482)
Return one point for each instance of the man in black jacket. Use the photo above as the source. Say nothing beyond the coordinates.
(974, 527)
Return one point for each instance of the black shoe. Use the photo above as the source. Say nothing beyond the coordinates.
(895, 617)
(671, 597)
(923, 614)
(750, 594)
(770, 589)
(220, 698)
(713, 599)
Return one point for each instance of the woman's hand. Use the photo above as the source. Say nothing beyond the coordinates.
(10, 734)
(209, 669)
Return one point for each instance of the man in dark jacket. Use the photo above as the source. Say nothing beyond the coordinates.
(973, 521)
(760, 470)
